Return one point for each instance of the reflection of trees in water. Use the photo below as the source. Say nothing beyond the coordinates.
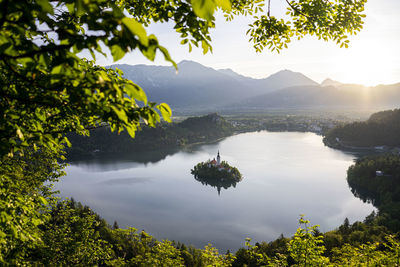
(133, 156)
(365, 195)
(216, 182)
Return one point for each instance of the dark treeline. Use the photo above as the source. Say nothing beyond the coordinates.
(382, 128)
(377, 179)
(165, 136)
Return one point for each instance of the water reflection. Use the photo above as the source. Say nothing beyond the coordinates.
(215, 182)
(126, 181)
(365, 195)
(101, 162)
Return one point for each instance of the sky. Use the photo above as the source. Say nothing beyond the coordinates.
(373, 56)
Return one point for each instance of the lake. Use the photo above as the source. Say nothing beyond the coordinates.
(285, 174)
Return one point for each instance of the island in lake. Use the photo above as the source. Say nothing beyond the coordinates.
(217, 173)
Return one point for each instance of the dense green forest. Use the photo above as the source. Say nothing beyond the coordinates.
(377, 179)
(74, 235)
(165, 136)
(382, 128)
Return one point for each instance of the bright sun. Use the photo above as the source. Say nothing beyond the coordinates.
(367, 63)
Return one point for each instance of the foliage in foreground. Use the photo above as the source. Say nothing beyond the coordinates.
(76, 236)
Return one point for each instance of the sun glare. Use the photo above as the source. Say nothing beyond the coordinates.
(369, 64)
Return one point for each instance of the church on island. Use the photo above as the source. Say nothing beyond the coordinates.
(217, 163)
(216, 173)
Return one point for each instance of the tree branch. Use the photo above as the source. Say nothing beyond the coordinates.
(30, 101)
(297, 10)
(35, 52)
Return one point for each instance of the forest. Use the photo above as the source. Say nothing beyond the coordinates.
(381, 129)
(192, 130)
(382, 188)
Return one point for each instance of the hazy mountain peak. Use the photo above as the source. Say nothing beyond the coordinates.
(330, 82)
(193, 66)
(288, 78)
(185, 62)
(285, 72)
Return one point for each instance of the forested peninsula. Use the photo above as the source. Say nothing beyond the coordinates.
(381, 131)
(166, 136)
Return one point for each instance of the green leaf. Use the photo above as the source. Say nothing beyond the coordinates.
(135, 92)
(166, 111)
(80, 7)
(46, 6)
(224, 4)
(20, 134)
(167, 56)
(121, 114)
(204, 45)
(131, 130)
(204, 8)
(137, 29)
(117, 52)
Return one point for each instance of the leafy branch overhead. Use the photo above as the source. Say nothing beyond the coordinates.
(47, 89)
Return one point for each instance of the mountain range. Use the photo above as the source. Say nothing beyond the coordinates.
(196, 87)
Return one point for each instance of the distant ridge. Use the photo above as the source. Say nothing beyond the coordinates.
(198, 88)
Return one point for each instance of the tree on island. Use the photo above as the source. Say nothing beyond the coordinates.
(48, 90)
(217, 174)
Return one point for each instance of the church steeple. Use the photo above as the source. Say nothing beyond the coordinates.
(218, 158)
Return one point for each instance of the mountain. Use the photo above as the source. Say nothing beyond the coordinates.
(199, 87)
(343, 96)
(287, 78)
(330, 82)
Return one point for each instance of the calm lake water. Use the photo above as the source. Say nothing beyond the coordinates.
(285, 174)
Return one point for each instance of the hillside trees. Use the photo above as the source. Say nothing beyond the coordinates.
(46, 89)
(383, 191)
(382, 128)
